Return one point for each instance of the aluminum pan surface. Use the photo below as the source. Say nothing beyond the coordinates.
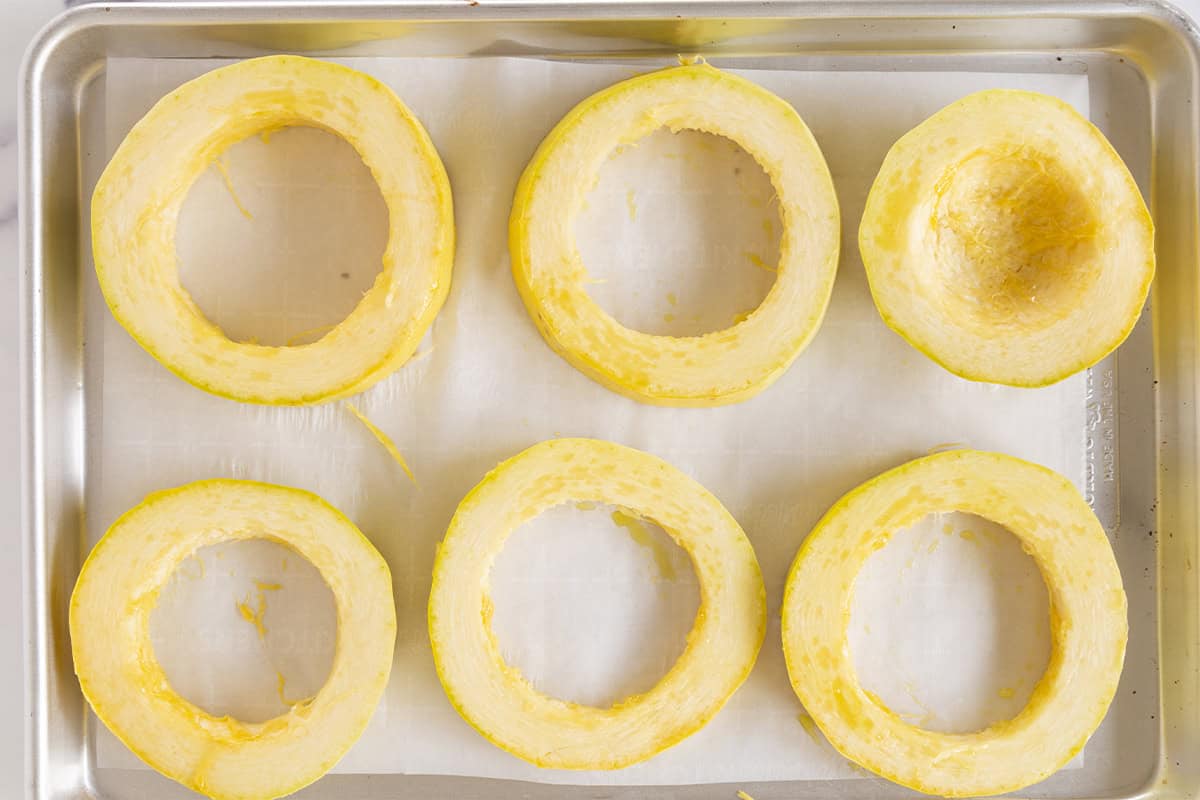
(882, 36)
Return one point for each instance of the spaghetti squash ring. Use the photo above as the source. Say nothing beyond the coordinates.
(499, 702)
(220, 757)
(137, 200)
(1006, 240)
(721, 367)
(1087, 623)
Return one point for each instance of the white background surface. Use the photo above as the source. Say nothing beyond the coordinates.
(19, 20)
(671, 219)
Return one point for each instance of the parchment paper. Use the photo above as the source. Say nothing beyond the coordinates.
(949, 625)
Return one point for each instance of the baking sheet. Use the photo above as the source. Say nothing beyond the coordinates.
(675, 234)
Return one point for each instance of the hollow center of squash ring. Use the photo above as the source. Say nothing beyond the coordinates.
(1015, 240)
(245, 629)
(950, 624)
(281, 237)
(680, 235)
(591, 603)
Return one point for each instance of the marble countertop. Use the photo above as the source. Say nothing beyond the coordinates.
(19, 20)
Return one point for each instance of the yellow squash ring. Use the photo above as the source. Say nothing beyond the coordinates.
(137, 201)
(1087, 623)
(1005, 239)
(721, 367)
(499, 702)
(110, 638)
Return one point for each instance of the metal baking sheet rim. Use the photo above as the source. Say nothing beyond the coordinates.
(1160, 41)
